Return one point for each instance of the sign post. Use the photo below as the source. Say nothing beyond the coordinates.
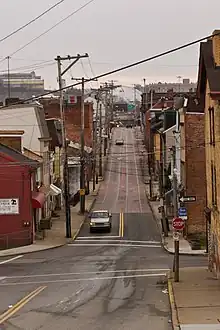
(178, 224)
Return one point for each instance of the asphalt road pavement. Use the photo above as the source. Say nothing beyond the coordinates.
(101, 281)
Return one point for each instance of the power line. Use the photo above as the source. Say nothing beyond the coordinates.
(32, 21)
(31, 66)
(148, 59)
(52, 27)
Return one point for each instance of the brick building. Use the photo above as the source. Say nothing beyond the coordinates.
(209, 94)
(193, 170)
(17, 199)
(72, 118)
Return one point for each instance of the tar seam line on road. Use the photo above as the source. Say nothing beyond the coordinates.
(137, 176)
(147, 270)
(11, 259)
(84, 279)
(109, 175)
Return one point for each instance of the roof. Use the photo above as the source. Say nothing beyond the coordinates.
(207, 69)
(17, 156)
(193, 105)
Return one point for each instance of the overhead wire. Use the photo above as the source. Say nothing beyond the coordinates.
(52, 27)
(148, 59)
(31, 21)
(31, 66)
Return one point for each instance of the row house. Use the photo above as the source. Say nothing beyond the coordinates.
(178, 139)
(72, 114)
(209, 96)
(27, 132)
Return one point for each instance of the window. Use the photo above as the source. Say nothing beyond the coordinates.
(212, 125)
(214, 187)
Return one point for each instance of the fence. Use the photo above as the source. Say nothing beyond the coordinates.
(15, 239)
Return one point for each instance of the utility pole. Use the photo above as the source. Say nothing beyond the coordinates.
(82, 158)
(100, 140)
(145, 99)
(175, 204)
(95, 142)
(9, 85)
(64, 144)
(65, 167)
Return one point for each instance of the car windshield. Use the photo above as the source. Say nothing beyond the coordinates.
(100, 215)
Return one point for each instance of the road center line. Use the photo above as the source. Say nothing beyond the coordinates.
(147, 270)
(9, 260)
(85, 279)
(9, 313)
(122, 224)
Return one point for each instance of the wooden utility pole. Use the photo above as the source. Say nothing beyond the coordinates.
(100, 140)
(95, 142)
(175, 204)
(64, 144)
(82, 157)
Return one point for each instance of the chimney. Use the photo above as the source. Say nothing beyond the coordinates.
(216, 47)
(12, 139)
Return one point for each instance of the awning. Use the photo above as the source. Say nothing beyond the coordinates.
(38, 199)
(54, 190)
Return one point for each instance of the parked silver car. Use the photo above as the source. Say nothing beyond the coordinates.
(101, 219)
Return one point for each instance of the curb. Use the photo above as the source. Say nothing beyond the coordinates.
(174, 313)
(27, 252)
(82, 223)
(184, 253)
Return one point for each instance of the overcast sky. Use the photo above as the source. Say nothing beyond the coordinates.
(113, 33)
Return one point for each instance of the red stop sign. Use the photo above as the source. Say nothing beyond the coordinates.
(178, 223)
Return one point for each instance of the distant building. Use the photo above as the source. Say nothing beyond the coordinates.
(183, 87)
(22, 85)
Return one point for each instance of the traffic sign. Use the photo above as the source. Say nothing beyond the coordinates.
(82, 192)
(187, 199)
(178, 223)
(182, 212)
(176, 236)
(131, 107)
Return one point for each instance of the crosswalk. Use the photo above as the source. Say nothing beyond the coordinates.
(113, 241)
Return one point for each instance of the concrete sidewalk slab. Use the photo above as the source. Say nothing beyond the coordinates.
(196, 299)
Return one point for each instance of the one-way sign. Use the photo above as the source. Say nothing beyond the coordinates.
(187, 199)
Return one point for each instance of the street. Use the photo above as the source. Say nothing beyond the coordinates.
(112, 281)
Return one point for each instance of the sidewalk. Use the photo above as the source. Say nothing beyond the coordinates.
(195, 300)
(168, 242)
(55, 237)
